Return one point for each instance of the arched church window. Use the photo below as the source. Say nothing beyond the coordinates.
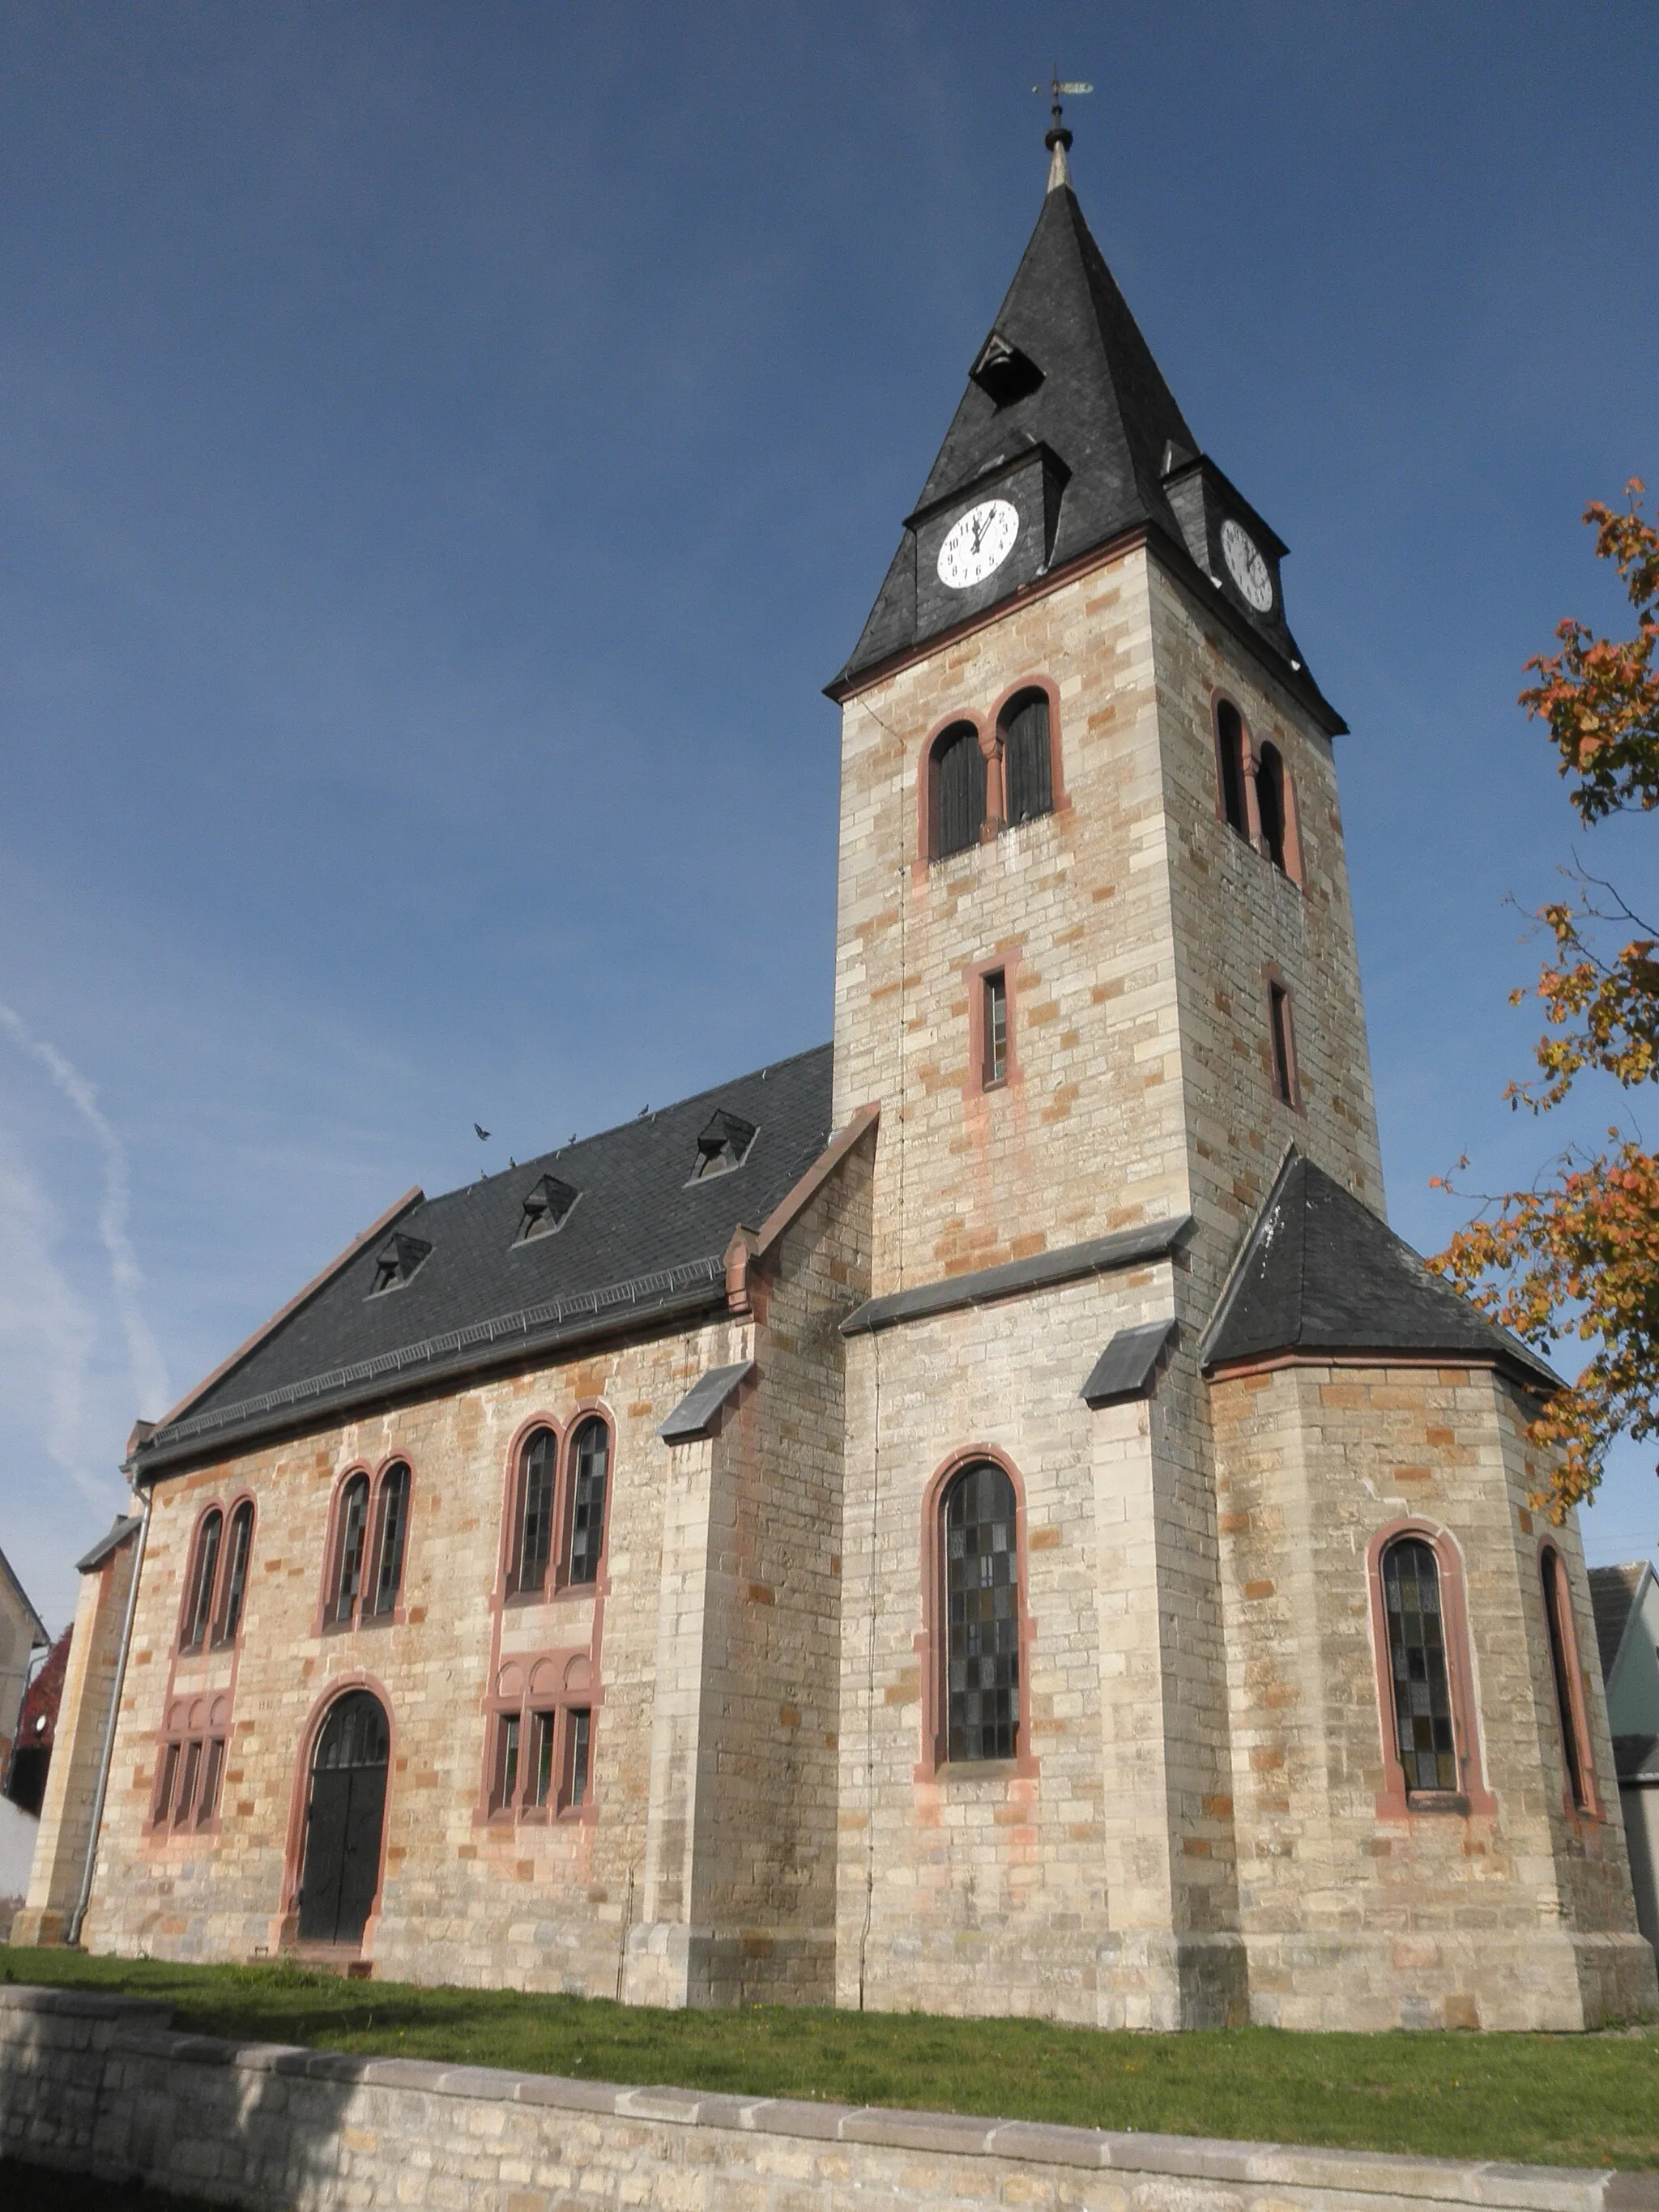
(588, 1472)
(980, 1608)
(1230, 756)
(391, 1533)
(235, 1590)
(203, 1568)
(350, 1541)
(957, 770)
(1421, 1685)
(1027, 763)
(1271, 806)
(1563, 1662)
(533, 1542)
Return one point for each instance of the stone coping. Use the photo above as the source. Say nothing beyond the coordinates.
(142, 2028)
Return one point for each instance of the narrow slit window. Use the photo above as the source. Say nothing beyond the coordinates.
(241, 1542)
(958, 774)
(535, 1533)
(1229, 746)
(211, 1776)
(186, 1803)
(166, 1785)
(1270, 804)
(577, 1728)
(197, 1613)
(1283, 1043)
(1417, 1663)
(1028, 771)
(389, 1543)
(590, 1459)
(506, 1763)
(538, 1784)
(981, 1610)
(996, 1027)
(348, 1560)
(1563, 1649)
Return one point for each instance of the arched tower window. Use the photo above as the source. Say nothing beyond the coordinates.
(1417, 1669)
(958, 769)
(235, 1592)
(1564, 1662)
(1230, 751)
(589, 1469)
(205, 1565)
(351, 1524)
(1027, 764)
(532, 1540)
(981, 1614)
(1270, 804)
(392, 1529)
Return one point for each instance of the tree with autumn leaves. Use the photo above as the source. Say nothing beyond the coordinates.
(1579, 1251)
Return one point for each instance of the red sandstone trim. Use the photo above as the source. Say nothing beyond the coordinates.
(1004, 961)
(1059, 798)
(333, 1534)
(410, 1198)
(1273, 979)
(931, 1643)
(513, 1506)
(1592, 1810)
(1394, 1801)
(285, 1929)
(986, 735)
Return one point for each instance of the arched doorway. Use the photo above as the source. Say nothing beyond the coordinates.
(342, 1821)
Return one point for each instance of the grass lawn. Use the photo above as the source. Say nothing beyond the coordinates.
(1558, 2100)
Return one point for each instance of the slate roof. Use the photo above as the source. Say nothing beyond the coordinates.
(1320, 1272)
(1635, 1758)
(643, 1243)
(1102, 408)
(1613, 1591)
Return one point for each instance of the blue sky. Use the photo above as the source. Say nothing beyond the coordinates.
(446, 448)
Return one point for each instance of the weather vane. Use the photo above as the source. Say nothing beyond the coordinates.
(1059, 89)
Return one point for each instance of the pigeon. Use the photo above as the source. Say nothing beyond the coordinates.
(481, 1132)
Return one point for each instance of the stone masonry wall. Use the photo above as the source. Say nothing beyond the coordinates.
(1518, 1916)
(101, 2085)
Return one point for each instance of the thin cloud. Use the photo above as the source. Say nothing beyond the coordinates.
(144, 1361)
(46, 1332)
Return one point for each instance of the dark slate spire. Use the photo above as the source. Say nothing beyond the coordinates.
(1067, 416)
(1320, 1273)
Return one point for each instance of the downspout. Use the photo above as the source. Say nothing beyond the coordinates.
(72, 1935)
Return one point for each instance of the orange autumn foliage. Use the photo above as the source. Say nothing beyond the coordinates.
(1578, 1253)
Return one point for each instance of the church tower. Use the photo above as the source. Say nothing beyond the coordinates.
(1096, 967)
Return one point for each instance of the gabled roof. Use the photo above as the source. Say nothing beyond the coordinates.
(1613, 1593)
(123, 1526)
(1321, 1272)
(646, 1243)
(37, 1626)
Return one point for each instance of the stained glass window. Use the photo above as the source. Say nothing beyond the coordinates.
(982, 1606)
(1417, 1657)
(536, 1510)
(590, 1460)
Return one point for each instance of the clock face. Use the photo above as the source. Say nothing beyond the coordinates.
(978, 543)
(1246, 567)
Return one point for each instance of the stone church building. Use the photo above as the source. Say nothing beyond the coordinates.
(983, 1516)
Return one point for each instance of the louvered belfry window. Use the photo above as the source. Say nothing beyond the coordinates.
(959, 790)
(1027, 773)
(1417, 1659)
(981, 1610)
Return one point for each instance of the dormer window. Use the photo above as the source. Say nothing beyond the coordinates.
(401, 1257)
(1002, 372)
(546, 1204)
(723, 1146)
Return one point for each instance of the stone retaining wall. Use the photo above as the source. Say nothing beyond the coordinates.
(101, 2084)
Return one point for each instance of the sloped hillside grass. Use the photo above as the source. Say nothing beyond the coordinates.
(1550, 2099)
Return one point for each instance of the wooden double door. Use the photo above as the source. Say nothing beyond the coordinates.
(344, 1816)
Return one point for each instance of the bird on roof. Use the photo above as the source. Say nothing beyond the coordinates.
(481, 1132)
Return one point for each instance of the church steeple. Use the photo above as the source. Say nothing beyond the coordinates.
(1069, 436)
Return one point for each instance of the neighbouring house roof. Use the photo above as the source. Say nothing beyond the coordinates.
(1636, 1758)
(1613, 1593)
(1321, 1272)
(475, 1278)
(37, 1626)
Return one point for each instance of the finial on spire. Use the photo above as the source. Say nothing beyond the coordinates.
(1058, 138)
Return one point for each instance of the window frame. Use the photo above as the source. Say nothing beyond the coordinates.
(244, 1512)
(361, 1613)
(1251, 752)
(193, 1746)
(1014, 703)
(1003, 962)
(555, 1583)
(1395, 1801)
(934, 1763)
(1284, 1066)
(990, 730)
(526, 1721)
(198, 1603)
(371, 1612)
(1580, 1799)
(970, 726)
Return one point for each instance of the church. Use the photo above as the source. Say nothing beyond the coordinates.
(981, 1516)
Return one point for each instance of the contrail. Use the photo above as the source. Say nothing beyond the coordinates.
(144, 1361)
